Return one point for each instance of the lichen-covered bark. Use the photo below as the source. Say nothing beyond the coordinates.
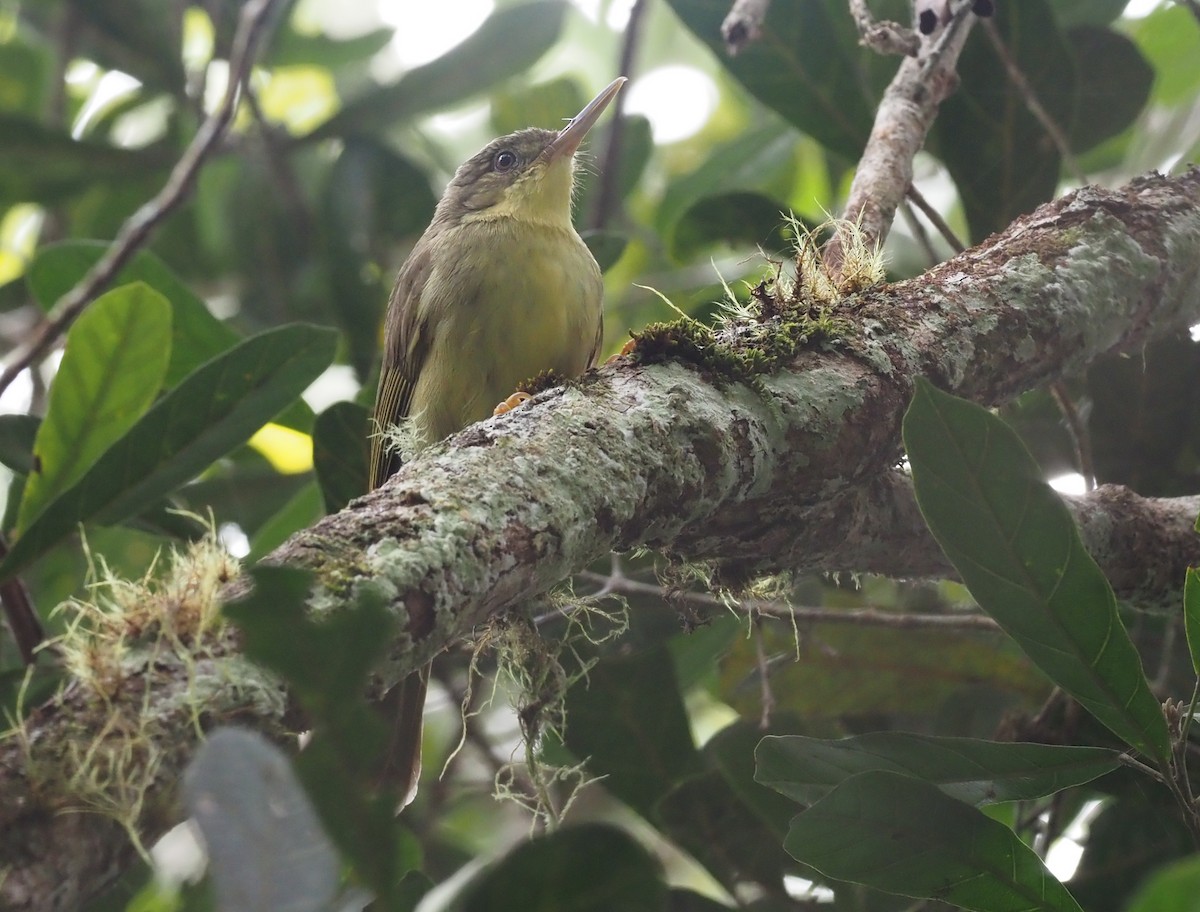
(669, 456)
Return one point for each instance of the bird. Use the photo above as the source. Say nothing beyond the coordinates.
(499, 288)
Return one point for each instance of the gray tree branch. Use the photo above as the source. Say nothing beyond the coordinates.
(665, 456)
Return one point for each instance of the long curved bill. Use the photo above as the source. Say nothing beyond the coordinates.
(570, 136)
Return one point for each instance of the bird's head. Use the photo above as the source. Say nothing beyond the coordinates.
(528, 174)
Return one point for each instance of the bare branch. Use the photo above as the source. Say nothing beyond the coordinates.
(1017, 77)
(902, 122)
(743, 25)
(935, 218)
(883, 37)
(137, 229)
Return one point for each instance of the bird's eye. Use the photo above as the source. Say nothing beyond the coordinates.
(504, 160)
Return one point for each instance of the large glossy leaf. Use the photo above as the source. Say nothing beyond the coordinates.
(902, 835)
(326, 662)
(1191, 615)
(114, 364)
(265, 846)
(628, 720)
(807, 66)
(761, 161)
(341, 452)
(1012, 540)
(1144, 423)
(1167, 37)
(374, 197)
(585, 868)
(971, 770)
(509, 42)
(1114, 82)
(215, 409)
(293, 48)
(196, 335)
(43, 165)
(999, 155)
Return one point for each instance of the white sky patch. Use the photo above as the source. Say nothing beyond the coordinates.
(425, 31)
(335, 384)
(676, 99)
(590, 9)
(1139, 8)
(619, 12)
(1070, 483)
(233, 539)
(1063, 857)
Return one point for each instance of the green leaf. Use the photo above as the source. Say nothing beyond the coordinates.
(606, 246)
(628, 720)
(326, 663)
(1087, 12)
(761, 161)
(999, 155)
(1012, 540)
(741, 218)
(584, 868)
(196, 335)
(40, 164)
(373, 197)
(216, 408)
(1168, 39)
(901, 835)
(807, 66)
(25, 71)
(1191, 615)
(541, 105)
(265, 847)
(114, 364)
(1114, 82)
(971, 770)
(17, 433)
(340, 453)
(509, 42)
(1172, 889)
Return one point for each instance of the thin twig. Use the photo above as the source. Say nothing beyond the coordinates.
(743, 25)
(935, 218)
(1035, 107)
(866, 617)
(767, 697)
(22, 617)
(137, 229)
(1080, 438)
(920, 235)
(883, 37)
(608, 191)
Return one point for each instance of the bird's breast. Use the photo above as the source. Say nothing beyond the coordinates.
(520, 299)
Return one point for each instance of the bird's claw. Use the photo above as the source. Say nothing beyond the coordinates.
(516, 399)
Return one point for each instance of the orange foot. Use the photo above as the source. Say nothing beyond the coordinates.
(626, 349)
(517, 398)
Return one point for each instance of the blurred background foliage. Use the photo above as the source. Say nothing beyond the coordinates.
(359, 112)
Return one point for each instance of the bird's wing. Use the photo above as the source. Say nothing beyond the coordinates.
(406, 345)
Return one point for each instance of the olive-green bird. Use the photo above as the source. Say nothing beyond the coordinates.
(499, 288)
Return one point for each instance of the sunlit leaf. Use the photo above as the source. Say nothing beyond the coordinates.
(1168, 39)
(216, 408)
(1014, 543)
(115, 360)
